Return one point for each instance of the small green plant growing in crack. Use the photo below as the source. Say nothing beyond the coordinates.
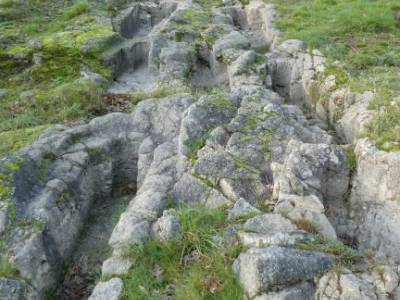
(98, 155)
(5, 189)
(221, 101)
(306, 225)
(254, 66)
(190, 20)
(245, 164)
(194, 145)
(63, 198)
(7, 268)
(254, 120)
(160, 92)
(345, 256)
(34, 223)
(244, 217)
(197, 266)
(351, 159)
(76, 138)
(7, 170)
(206, 181)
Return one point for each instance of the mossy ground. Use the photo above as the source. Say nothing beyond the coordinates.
(63, 37)
(11, 141)
(361, 39)
(162, 268)
(7, 269)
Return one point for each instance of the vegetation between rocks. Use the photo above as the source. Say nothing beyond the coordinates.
(197, 266)
(160, 92)
(7, 269)
(345, 256)
(11, 141)
(361, 40)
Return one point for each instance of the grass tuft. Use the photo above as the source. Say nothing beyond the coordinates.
(159, 92)
(77, 9)
(306, 225)
(384, 129)
(351, 159)
(7, 269)
(12, 141)
(345, 256)
(198, 266)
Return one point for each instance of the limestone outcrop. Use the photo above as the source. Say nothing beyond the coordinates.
(254, 139)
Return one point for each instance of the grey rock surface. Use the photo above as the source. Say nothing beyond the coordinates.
(302, 291)
(167, 227)
(116, 265)
(260, 270)
(242, 208)
(108, 290)
(11, 289)
(374, 200)
(345, 286)
(270, 229)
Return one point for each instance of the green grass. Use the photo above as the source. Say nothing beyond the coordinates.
(159, 92)
(345, 256)
(11, 141)
(194, 145)
(364, 36)
(161, 266)
(351, 159)
(68, 36)
(77, 9)
(7, 269)
(221, 101)
(359, 32)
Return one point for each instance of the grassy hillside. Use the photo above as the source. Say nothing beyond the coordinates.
(44, 45)
(361, 39)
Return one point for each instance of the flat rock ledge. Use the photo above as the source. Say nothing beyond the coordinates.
(264, 269)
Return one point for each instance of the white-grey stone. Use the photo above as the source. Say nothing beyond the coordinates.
(302, 291)
(374, 200)
(260, 269)
(242, 208)
(344, 286)
(167, 227)
(269, 224)
(116, 265)
(108, 290)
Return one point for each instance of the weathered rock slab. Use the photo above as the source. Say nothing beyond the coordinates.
(108, 290)
(263, 269)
